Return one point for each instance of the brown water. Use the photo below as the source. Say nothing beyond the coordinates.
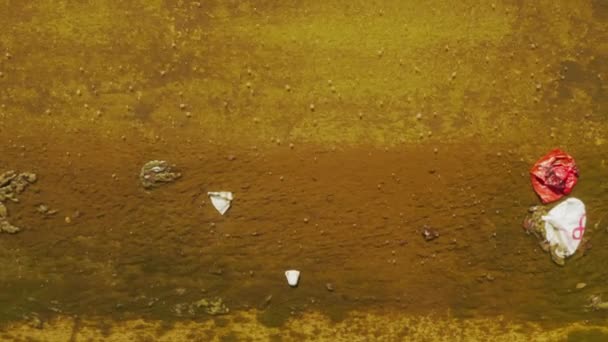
(343, 128)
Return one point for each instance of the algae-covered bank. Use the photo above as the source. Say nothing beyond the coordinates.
(380, 148)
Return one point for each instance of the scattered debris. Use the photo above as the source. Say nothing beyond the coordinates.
(429, 233)
(157, 172)
(11, 185)
(183, 309)
(596, 303)
(44, 209)
(266, 302)
(34, 320)
(221, 200)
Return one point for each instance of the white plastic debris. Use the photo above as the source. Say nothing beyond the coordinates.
(565, 226)
(293, 277)
(221, 200)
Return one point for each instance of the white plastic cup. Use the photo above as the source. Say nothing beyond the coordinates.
(293, 277)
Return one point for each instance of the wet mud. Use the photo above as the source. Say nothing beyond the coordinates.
(382, 149)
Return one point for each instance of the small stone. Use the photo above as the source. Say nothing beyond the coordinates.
(580, 286)
(429, 234)
(329, 287)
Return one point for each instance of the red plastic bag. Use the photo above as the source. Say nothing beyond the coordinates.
(554, 175)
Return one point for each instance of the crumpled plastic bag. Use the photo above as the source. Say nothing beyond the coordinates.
(554, 175)
(559, 230)
(565, 227)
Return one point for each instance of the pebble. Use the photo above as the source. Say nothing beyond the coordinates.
(329, 287)
(580, 286)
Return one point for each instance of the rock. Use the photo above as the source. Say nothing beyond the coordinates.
(3, 211)
(429, 233)
(580, 286)
(6, 227)
(157, 172)
(7, 177)
(29, 177)
(329, 287)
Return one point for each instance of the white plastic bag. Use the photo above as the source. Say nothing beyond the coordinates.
(565, 226)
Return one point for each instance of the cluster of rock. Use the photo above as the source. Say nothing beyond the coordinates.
(213, 306)
(157, 172)
(11, 185)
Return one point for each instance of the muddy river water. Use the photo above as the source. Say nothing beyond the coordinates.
(344, 129)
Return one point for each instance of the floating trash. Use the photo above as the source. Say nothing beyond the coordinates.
(221, 200)
(554, 175)
(560, 230)
(564, 228)
(293, 277)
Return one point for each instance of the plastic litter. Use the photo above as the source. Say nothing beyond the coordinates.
(565, 227)
(221, 200)
(554, 175)
(293, 277)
